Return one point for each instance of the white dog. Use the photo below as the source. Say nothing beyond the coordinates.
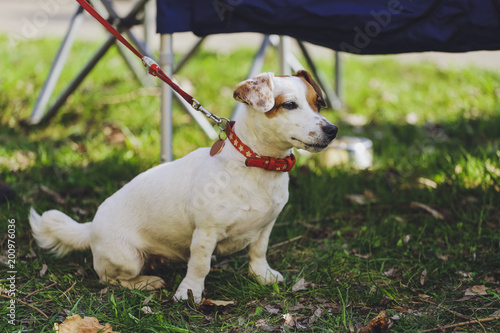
(202, 204)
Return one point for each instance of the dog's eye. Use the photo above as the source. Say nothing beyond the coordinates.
(290, 105)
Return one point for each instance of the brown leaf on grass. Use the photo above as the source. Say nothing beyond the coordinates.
(43, 270)
(378, 324)
(444, 257)
(147, 310)
(302, 284)
(389, 273)
(77, 324)
(427, 182)
(271, 309)
(406, 239)
(362, 199)
(264, 326)
(423, 276)
(476, 290)
(211, 302)
(56, 196)
(290, 321)
(428, 209)
(466, 275)
(315, 316)
(464, 299)
(146, 301)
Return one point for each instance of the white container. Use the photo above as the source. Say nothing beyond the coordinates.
(355, 151)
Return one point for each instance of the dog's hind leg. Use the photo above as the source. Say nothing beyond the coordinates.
(258, 262)
(124, 269)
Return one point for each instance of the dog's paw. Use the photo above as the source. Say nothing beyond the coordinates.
(266, 275)
(182, 292)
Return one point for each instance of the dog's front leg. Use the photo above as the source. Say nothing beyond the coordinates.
(202, 247)
(258, 262)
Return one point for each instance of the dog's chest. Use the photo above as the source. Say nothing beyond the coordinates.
(247, 207)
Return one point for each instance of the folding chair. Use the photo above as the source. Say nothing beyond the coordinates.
(123, 24)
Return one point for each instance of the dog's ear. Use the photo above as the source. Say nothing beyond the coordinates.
(257, 92)
(306, 76)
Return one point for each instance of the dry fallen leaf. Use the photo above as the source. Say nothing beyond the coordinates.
(389, 273)
(361, 199)
(423, 276)
(467, 275)
(43, 270)
(77, 324)
(147, 310)
(211, 302)
(290, 321)
(444, 257)
(302, 284)
(263, 326)
(476, 290)
(378, 324)
(406, 239)
(427, 182)
(271, 309)
(428, 209)
(315, 316)
(146, 301)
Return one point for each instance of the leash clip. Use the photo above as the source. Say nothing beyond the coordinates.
(219, 120)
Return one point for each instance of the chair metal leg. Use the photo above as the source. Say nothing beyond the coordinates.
(167, 94)
(123, 25)
(55, 71)
(339, 85)
(166, 63)
(283, 51)
(79, 78)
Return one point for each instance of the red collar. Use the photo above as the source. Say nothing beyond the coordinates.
(255, 160)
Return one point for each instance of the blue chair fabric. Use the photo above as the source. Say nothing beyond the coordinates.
(355, 26)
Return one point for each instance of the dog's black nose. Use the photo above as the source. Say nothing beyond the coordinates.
(330, 131)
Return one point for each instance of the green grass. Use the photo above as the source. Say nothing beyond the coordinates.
(361, 258)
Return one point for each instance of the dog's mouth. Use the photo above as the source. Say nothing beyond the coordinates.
(312, 146)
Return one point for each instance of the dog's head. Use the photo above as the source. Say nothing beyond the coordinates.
(291, 106)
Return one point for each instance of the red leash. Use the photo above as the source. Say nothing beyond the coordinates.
(154, 69)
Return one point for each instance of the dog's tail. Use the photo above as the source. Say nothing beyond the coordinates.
(58, 232)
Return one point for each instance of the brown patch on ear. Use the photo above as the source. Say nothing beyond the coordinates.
(315, 95)
(256, 92)
(241, 90)
(276, 110)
